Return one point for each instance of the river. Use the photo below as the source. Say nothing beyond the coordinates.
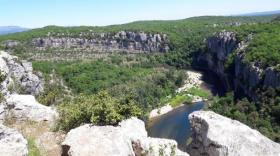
(175, 124)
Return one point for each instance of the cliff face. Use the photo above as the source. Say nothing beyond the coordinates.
(245, 77)
(134, 42)
(218, 48)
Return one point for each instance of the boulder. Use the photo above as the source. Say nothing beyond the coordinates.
(25, 107)
(12, 142)
(91, 140)
(128, 139)
(216, 135)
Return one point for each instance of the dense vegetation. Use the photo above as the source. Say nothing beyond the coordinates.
(264, 45)
(105, 92)
(146, 87)
(100, 109)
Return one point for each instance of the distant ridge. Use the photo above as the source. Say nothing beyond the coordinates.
(265, 13)
(11, 29)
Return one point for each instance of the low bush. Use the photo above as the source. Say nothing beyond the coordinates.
(99, 109)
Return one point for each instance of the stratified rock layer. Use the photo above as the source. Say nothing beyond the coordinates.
(216, 135)
(105, 42)
(12, 143)
(128, 139)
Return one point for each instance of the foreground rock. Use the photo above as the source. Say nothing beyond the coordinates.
(17, 77)
(12, 143)
(25, 107)
(128, 139)
(215, 135)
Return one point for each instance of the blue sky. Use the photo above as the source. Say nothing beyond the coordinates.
(38, 13)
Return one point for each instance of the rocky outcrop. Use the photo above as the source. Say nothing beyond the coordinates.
(244, 77)
(128, 139)
(18, 76)
(132, 42)
(25, 107)
(12, 143)
(215, 135)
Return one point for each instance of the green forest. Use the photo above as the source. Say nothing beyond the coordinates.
(105, 91)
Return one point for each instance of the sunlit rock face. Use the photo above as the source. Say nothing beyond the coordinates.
(216, 135)
(131, 42)
(18, 76)
(128, 139)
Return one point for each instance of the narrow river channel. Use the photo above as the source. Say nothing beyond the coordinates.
(175, 124)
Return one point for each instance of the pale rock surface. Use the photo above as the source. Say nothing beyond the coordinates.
(91, 140)
(12, 143)
(216, 135)
(19, 76)
(128, 139)
(25, 107)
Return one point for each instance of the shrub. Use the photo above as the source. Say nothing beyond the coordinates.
(99, 109)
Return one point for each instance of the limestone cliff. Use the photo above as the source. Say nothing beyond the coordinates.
(218, 48)
(105, 42)
(91, 44)
(243, 77)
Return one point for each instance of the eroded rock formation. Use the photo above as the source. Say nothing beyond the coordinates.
(105, 42)
(244, 77)
(18, 76)
(216, 135)
(218, 48)
(128, 139)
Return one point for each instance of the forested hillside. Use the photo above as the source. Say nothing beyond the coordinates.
(124, 84)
